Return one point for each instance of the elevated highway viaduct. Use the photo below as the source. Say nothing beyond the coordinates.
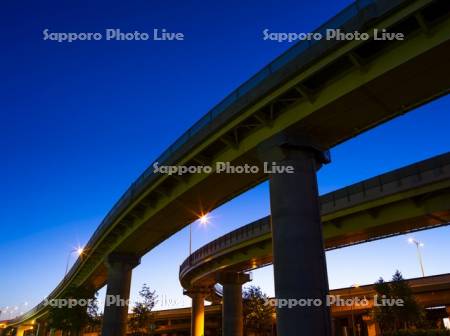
(414, 197)
(431, 292)
(314, 96)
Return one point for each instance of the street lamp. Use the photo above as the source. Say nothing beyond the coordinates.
(203, 219)
(419, 255)
(79, 251)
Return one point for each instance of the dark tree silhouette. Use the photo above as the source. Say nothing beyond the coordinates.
(397, 317)
(258, 314)
(76, 318)
(141, 317)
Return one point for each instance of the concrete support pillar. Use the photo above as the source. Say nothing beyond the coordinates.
(232, 310)
(372, 326)
(300, 270)
(115, 316)
(21, 330)
(41, 328)
(198, 295)
(197, 311)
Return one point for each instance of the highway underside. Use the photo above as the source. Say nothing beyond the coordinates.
(370, 102)
(411, 198)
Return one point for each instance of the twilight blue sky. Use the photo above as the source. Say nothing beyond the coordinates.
(80, 121)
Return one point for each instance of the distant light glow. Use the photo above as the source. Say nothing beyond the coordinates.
(80, 251)
(254, 264)
(415, 241)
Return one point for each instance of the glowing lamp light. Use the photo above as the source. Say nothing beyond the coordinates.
(414, 241)
(204, 219)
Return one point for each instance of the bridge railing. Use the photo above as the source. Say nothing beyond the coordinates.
(423, 172)
(252, 230)
(352, 16)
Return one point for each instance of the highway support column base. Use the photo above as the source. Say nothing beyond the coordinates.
(20, 331)
(300, 270)
(232, 310)
(41, 328)
(372, 326)
(197, 295)
(115, 316)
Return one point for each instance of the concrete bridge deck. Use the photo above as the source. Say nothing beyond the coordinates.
(411, 198)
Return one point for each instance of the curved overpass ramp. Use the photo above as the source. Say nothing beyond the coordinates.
(327, 91)
(412, 198)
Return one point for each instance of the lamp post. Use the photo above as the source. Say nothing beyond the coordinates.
(79, 251)
(204, 219)
(419, 255)
(190, 239)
